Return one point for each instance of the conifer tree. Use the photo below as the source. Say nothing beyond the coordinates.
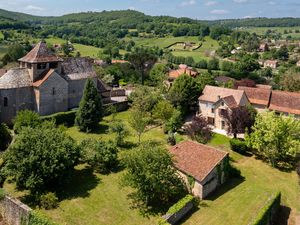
(90, 110)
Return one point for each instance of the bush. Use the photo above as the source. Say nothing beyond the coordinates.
(2, 193)
(48, 201)
(171, 138)
(238, 145)
(266, 213)
(62, 118)
(38, 219)
(26, 118)
(5, 137)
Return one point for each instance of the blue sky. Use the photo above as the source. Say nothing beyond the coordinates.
(200, 9)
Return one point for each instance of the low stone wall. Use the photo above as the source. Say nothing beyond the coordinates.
(174, 218)
(13, 211)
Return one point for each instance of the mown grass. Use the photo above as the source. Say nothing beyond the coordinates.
(92, 198)
(262, 30)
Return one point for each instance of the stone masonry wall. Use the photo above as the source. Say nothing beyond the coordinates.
(13, 211)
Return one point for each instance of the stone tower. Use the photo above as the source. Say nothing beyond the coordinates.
(40, 59)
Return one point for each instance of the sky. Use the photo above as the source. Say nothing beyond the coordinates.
(198, 9)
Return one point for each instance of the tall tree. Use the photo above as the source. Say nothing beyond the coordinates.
(151, 173)
(142, 60)
(138, 121)
(5, 137)
(275, 137)
(199, 130)
(239, 119)
(90, 110)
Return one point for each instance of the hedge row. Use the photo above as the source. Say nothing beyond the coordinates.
(238, 145)
(62, 118)
(266, 213)
(180, 204)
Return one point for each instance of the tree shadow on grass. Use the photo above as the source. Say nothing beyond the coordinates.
(188, 215)
(79, 184)
(127, 145)
(100, 129)
(283, 215)
(227, 186)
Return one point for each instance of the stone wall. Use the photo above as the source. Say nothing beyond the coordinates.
(13, 211)
(174, 218)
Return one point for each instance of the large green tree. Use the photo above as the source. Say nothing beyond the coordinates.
(275, 137)
(184, 92)
(5, 137)
(142, 60)
(151, 173)
(90, 110)
(40, 158)
(26, 118)
(138, 121)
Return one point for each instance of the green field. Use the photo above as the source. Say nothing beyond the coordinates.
(93, 198)
(262, 30)
(3, 50)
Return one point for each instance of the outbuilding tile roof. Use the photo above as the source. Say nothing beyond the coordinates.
(283, 101)
(196, 159)
(43, 77)
(78, 68)
(40, 54)
(260, 96)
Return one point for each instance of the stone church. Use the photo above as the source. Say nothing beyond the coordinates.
(45, 83)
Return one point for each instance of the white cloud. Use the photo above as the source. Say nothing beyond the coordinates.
(33, 8)
(219, 11)
(211, 3)
(240, 1)
(131, 8)
(271, 3)
(188, 3)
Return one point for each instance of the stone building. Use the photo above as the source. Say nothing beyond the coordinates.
(45, 83)
(204, 164)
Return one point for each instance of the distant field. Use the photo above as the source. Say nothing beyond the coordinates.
(262, 30)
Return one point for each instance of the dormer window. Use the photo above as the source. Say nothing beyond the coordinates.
(222, 104)
(53, 65)
(53, 91)
(41, 66)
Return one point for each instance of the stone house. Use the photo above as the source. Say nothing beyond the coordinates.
(263, 47)
(202, 168)
(271, 64)
(215, 100)
(44, 83)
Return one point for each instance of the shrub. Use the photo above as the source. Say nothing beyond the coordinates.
(238, 145)
(62, 118)
(38, 219)
(48, 201)
(2, 193)
(171, 138)
(26, 118)
(266, 213)
(5, 137)
(180, 204)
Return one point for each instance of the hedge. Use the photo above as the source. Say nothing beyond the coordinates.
(180, 204)
(62, 118)
(267, 212)
(38, 219)
(238, 145)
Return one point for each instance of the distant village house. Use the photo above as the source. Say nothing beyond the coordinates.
(271, 64)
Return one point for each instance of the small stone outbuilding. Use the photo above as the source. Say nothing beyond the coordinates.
(203, 168)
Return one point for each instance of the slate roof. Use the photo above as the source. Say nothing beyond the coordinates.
(260, 96)
(223, 79)
(15, 78)
(196, 159)
(40, 54)
(78, 68)
(283, 101)
(213, 94)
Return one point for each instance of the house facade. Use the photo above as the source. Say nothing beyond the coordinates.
(216, 100)
(204, 164)
(44, 83)
(271, 64)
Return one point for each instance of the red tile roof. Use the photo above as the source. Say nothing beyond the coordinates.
(183, 69)
(43, 77)
(40, 54)
(260, 96)
(196, 159)
(287, 102)
(230, 101)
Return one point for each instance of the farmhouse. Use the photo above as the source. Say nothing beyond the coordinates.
(263, 47)
(44, 83)
(271, 64)
(204, 164)
(216, 100)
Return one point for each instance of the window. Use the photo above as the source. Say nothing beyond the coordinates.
(41, 66)
(223, 125)
(212, 110)
(28, 66)
(5, 101)
(53, 65)
(53, 91)
(222, 104)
